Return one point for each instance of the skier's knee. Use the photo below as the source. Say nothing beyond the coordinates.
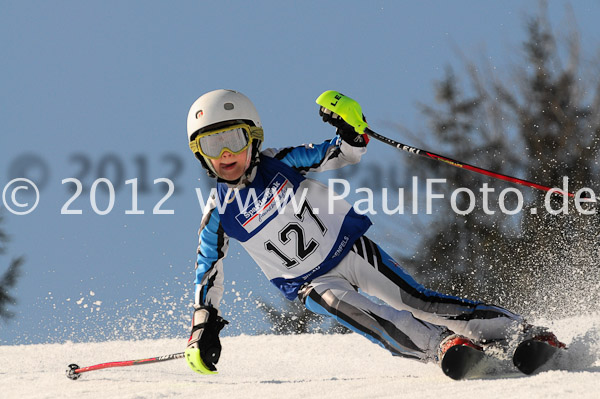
(325, 303)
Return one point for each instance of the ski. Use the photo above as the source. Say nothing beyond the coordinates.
(460, 361)
(532, 354)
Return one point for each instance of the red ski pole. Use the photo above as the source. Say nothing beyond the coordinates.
(466, 166)
(74, 371)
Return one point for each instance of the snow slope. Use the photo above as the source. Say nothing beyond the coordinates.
(276, 366)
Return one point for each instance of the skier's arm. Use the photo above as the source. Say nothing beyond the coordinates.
(347, 148)
(331, 154)
(212, 248)
(204, 346)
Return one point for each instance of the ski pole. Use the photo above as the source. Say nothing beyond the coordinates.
(74, 371)
(350, 111)
(463, 165)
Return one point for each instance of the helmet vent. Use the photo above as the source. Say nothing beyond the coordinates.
(228, 106)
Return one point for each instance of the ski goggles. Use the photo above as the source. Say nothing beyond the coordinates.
(235, 139)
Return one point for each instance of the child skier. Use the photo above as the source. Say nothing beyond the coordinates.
(317, 252)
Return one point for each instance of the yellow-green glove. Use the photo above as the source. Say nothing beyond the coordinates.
(344, 107)
(346, 115)
(204, 347)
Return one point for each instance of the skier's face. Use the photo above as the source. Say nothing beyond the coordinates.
(230, 166)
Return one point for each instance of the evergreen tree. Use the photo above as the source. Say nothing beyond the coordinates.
(541, 125)
(8, 279)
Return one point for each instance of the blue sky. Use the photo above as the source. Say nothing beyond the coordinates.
(92, 89)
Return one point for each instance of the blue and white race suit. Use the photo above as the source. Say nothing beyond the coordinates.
(314, 248)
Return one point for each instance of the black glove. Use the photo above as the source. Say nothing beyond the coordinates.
(204, 340)
(344, 130)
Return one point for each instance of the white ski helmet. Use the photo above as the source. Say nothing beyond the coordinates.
(217, 108)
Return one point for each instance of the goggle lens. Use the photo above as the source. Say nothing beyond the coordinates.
(213, 145)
